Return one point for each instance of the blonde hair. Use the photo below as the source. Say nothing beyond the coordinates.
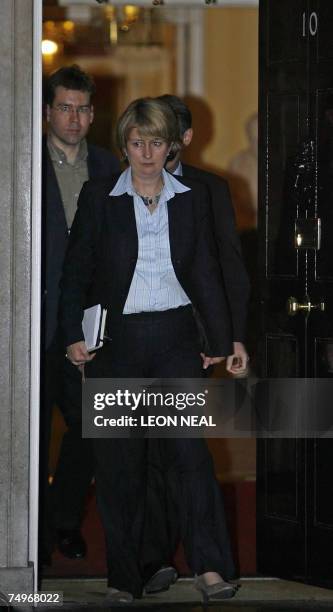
(152, 117)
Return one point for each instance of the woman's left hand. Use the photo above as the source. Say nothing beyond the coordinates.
(77, 353)
(237, 362)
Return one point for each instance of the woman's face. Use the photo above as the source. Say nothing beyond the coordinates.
(146, 154)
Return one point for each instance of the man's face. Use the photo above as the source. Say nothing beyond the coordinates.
(173, 163)
(69, 117)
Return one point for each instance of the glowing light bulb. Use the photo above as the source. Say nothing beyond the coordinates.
(49, 47)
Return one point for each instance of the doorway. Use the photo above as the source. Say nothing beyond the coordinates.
(163, 54)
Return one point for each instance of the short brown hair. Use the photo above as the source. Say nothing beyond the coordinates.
(151, 117)
(69, 77)
(181, 111)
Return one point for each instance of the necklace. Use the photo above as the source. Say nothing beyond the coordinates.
(150, 201)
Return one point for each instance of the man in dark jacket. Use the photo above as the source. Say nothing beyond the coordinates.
(68, 161)
(230, 256)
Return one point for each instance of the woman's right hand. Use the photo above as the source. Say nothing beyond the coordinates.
(237, 363)
(77, 353)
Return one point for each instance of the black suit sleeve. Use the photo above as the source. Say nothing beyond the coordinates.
(211, 297)
(230, 254)
(197, 267)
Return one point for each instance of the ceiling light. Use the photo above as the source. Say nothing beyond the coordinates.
(49, 47)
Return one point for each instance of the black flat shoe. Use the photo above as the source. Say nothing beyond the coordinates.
(114, 597)
(215, 592)
(71, 543)
(161, 580)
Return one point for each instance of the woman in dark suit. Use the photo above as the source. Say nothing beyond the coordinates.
(141, 245)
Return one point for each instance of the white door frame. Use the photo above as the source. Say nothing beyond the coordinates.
(36, 214)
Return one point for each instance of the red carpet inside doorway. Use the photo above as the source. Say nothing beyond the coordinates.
(240, 511)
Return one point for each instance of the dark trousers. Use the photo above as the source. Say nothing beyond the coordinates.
(62, 504)
(152, 493)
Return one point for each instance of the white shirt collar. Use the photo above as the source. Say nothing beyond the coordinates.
(179, 170)
(171, 185)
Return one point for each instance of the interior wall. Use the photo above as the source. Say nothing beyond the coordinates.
(231, 51)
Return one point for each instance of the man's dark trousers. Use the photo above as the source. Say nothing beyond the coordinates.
(75, 467)
(60, 380)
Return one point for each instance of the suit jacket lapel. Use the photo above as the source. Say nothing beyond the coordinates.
(55, 210)
(122, 211)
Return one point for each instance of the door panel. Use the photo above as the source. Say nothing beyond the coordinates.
(283, 42)
(323, 357)
(284, 110)
(281, 457)
(320, 508)
(324, 39)
(324, 136)
(282, 356)
(280, 526)
(295, 514)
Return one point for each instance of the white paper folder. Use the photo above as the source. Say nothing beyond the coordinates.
(93, 327)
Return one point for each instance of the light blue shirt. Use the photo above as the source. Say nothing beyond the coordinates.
(154, 285)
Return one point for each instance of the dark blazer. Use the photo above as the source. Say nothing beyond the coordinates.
(102, 255)
(230, 255)
(101, 164)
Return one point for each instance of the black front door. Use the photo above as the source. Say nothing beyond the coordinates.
(295, 511)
